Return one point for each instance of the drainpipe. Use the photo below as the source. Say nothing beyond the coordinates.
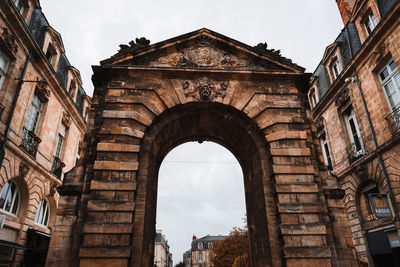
(380, 160)
(11, 114)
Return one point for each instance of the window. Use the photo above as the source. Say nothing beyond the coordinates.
(42, 213)
(200, 257)
(354, 132)
(200, 245)
(56, 169)
(370, 23)
(19, 6)
(9, 198)
(390, 80)
(3, 67)
(210, 244)
(325, 150)
(49, 55)
(28, 136)
(336, 69)
(313, 98)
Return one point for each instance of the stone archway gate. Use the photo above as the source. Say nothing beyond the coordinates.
(198, 86)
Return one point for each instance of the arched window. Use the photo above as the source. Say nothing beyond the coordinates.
(200, 245)
(9, 198)
(42, 213)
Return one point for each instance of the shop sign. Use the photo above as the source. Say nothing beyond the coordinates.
(394, 238)
(2, 221)
(381, 205)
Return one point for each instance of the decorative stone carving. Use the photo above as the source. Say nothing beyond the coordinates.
(204, 89)
(203, 54)
(66, 119)
(42, 90)
(342, 98)
(378, 54)
(53, 189)
(140, 43)
(23, 169)
(319, 123)
(9, 40)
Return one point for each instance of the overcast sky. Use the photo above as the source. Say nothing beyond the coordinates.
(194, 198)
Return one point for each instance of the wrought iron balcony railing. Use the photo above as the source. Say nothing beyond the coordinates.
(394, 120)
(57, 167)
(353, 153)
(30, 142)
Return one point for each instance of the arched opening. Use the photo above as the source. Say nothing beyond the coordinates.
(235, 131)
(200, 193)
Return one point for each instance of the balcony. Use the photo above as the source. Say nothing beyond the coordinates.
(57, 167)
(353, 153)
(30, 142)
(394, 120)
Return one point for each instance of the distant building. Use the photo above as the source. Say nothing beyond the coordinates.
(43, 111)
(201, 252)
(187, 258)
(162, 256)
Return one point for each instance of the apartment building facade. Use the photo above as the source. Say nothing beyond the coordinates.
(162, 255)
(355, 101)
(42, 122)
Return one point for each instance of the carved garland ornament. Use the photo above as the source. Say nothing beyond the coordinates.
(204, 89)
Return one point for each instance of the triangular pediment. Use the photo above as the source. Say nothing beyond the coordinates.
(203, 49)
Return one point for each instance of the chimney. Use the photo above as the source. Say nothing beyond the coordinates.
(194, 238)
(345, 9)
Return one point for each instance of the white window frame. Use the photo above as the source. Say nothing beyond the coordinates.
(200, 257)
(13, 200)
(325, 149)
(3, 72)
(348, 118)
(314, 100)
(391, 78)
(20, 7)
(42, 216)
(370, 23)
(336, 68)
(200, 245)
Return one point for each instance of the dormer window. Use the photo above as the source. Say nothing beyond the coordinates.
(370, 23)
(313, 98)
(49, 54)
(336, 69)
(19, 6)
(200, 245)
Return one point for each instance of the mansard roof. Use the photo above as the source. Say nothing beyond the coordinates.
(202, 49)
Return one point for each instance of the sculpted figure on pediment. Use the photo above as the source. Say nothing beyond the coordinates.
(204, 55)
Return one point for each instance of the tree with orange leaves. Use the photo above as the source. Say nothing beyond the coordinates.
(232, 250)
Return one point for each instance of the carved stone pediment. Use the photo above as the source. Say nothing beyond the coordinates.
(204, 89)
(202, 49)
(343, 97)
